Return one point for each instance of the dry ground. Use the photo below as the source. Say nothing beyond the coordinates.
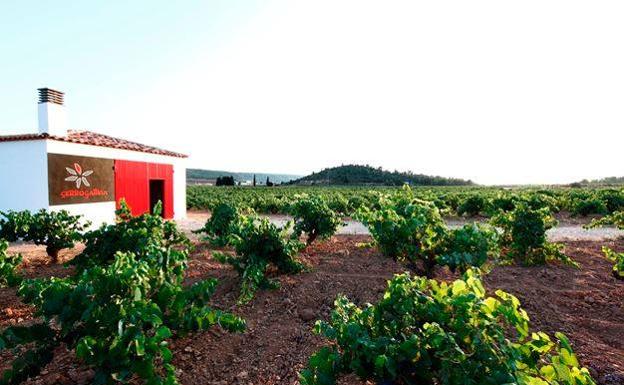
(587, 304)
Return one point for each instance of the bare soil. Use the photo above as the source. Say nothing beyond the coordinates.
(587, 304)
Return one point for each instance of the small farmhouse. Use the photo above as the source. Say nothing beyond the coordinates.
(84, 172)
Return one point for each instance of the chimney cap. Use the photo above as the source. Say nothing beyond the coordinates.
(48, 95)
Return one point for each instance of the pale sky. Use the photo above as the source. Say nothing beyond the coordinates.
(495, 91)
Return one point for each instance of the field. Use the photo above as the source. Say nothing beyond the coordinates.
(272, 285)
(586, 304)
(472, 201)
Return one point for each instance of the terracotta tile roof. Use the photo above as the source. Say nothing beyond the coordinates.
(93, 139)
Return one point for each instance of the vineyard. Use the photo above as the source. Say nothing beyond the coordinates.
(243, 300)
(463, 201)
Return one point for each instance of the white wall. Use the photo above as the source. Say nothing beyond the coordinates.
(100, 211)
(179, 188)
(96, 213)
(23, 175)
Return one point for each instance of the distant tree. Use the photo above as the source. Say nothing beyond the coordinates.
(254, 180)
(225, 181)
(269, 183)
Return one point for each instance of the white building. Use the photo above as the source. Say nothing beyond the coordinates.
(84, 172)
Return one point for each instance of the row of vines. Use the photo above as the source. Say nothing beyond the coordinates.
(463, 201)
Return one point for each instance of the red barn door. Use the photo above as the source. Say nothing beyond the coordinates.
(133, 181)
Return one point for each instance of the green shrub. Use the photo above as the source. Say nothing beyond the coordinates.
(9, 265)
(313, 217)
(339, 204)
(15, 225)
(424, 332)
(473, 205)
(260, 245)
(117, 314)
(355, 203)
(618, 259)
(541, 199)
(469, 246)
(57, 230)
(222, 222)
(613, 199)
(589, 206)
(130, 234)
(616, 219)
(503, 203)
(524, 236)
(407, 229)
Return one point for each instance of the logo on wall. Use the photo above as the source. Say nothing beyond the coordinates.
(86, 180)
(77, 175)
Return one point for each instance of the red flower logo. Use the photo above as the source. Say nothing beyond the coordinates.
(77, 175)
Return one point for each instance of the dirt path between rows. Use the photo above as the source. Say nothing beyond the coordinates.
(569, 228)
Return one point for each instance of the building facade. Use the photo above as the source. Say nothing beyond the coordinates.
(86, 173)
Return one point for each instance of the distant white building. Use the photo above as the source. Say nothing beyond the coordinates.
(84, 172)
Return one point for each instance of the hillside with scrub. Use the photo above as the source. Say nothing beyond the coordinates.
(367, 175)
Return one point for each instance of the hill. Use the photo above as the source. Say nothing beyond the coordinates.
(367, 175)
(199, 176)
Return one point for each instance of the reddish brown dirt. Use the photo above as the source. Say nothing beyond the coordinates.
(35, 264)
(587, 304)
(566, 219)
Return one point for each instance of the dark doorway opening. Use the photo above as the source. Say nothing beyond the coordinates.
(157, 193)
